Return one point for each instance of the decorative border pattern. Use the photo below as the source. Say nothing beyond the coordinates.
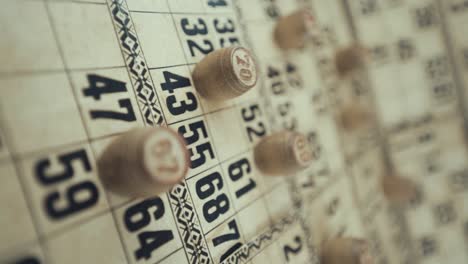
(188, 224)
(181, 202)
(136, 63)
(260, 242)
(252, 248)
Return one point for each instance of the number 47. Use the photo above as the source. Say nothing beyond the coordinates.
(98, 86)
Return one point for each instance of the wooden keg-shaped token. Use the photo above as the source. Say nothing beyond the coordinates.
(346, 251)
(225, 73)
(350, 58)
(354, 117)
(283, 153)
(144, 162)
(291, 31)
(398, 190)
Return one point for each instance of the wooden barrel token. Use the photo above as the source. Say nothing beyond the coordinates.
(346, 251)
(283, 153)
(225, 73)
(350, 58)
(291, 31)
(144, 162)
(398, 190)
(354, 117)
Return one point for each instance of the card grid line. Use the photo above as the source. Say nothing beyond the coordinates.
(204, 249)
(20, 173)
(162, 112)
(187, 119)
(112, 210)
(29, 205)
(451, 54)
(292, 181)
(264, 104)
(207, 123)
(64, 61)
(373, 98)
(342, 138)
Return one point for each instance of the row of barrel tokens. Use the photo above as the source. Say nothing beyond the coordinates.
(150, 161)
